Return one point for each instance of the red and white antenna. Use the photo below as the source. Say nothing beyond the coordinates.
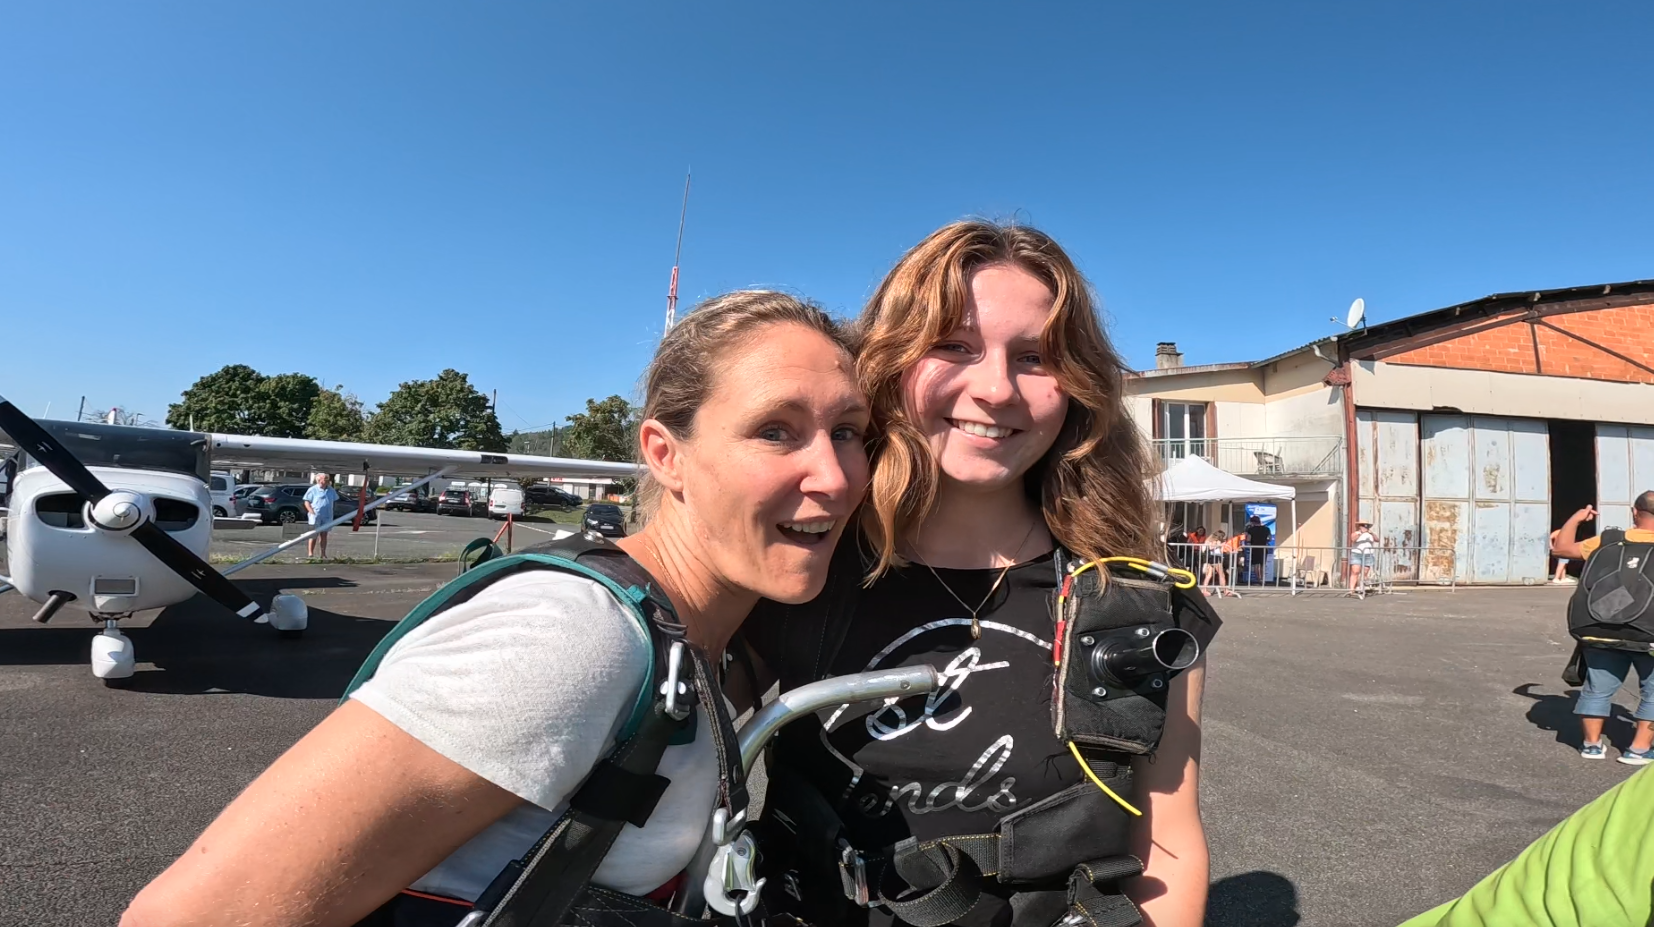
(672, 291)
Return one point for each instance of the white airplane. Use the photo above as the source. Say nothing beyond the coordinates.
(117, 519)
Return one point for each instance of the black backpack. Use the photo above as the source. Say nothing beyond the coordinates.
(1614, 604)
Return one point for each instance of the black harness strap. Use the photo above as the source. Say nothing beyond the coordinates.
(1099, 908)
(546, 882)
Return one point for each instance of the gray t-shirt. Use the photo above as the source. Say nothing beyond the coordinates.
(527, 685)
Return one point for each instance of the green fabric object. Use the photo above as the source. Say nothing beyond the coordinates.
(1595, 869)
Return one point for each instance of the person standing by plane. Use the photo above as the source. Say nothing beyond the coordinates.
(1607, 668)
(318, 504)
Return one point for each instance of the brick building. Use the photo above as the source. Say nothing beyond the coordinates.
(1465, 434)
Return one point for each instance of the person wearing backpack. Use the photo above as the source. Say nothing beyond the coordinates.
(1612, 616)
(487, 725)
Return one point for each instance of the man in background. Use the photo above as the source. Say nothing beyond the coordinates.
(318, 504)
(1258, 538)
(1606, 668)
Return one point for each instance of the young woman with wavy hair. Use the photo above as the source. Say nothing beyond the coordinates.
(1002, 436)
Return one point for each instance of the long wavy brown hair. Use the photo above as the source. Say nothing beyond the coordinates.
(1091, 484)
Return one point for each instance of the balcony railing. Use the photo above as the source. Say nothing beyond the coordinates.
(1260, 458)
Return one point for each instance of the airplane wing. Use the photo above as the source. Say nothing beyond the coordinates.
(383, 459)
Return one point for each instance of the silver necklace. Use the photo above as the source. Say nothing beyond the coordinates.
(976, 624)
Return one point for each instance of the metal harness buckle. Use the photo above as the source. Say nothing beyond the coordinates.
(852, 872)
(732, 885)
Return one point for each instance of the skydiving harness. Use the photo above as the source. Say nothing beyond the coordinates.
(551, 883)
(1115, 649)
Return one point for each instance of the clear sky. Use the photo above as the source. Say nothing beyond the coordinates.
(371, 191)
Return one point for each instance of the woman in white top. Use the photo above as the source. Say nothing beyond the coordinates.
(1362, 555)
(480, 723)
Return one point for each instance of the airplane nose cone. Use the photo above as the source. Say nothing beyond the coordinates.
(118, 511)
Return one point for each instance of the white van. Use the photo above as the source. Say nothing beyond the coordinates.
(505, 499)
(222, 486)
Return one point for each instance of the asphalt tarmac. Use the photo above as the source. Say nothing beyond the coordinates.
(1364, 759)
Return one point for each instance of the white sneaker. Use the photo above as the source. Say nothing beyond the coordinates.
(1596, 751)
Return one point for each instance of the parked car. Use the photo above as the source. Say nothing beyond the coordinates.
(550, 497)
(411, 500)
(606, 519)
(460, 502)
(284, 504)
(348, 496)
(239, 497)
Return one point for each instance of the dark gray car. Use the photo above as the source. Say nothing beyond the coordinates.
(606, 519)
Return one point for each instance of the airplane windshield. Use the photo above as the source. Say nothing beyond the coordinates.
(161, 449)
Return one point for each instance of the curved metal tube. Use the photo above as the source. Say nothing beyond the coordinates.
(789, 707)
(826, 693)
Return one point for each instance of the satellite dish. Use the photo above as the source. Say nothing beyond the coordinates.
(1358, 313)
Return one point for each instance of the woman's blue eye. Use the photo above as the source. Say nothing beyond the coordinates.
(773, 433)
(847, 433)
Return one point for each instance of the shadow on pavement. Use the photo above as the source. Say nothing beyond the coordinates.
(1556, 713)
(197, 647)
(1252, 899)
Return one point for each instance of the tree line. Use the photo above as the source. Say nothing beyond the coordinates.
(445, 412)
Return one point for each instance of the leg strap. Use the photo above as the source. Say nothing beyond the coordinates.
(1094, 895)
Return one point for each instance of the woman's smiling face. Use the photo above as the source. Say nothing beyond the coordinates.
(982, 396)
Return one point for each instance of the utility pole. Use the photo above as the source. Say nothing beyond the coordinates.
(672, 291)
(80, 416)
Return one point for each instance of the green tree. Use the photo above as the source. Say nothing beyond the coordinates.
(336, 416)
(447, 412)
(239, 400)
(607, 430)
(285, 401)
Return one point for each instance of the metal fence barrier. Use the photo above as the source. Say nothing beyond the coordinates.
(1294, 570)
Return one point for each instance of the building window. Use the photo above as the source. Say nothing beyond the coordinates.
(1183, 430)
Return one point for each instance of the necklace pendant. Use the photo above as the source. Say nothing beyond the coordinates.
(976, 629)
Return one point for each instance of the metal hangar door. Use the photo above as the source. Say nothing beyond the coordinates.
(1486, 496)
(1625, 468)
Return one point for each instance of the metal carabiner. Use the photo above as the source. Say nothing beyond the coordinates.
(732, 885)
(678, 703)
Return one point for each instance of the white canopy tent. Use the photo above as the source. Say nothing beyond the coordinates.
(1192, 479)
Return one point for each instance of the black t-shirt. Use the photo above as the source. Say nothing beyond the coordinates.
(979, 748)
(1258, 535)
(957, 761)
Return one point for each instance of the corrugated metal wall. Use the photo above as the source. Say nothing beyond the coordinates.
(1625, 468)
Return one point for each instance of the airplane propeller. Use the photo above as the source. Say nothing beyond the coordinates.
(118, 514)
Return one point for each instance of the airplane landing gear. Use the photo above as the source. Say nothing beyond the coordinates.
(289, 615)
(112, 656)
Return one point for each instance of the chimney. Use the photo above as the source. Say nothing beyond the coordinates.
(1166, 355)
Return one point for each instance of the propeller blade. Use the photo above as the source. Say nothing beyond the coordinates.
(50, 452)
(183, 561)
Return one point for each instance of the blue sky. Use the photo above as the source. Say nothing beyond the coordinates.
(369, 192)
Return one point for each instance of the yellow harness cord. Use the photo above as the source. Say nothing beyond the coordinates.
(1086, 768)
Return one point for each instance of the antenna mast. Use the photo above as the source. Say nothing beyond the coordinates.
(672, 291)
